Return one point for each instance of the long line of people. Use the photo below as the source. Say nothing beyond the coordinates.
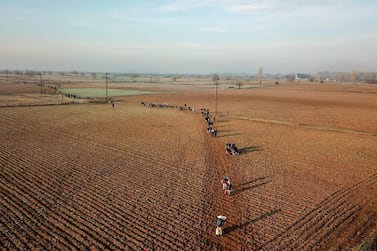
(220, 220)
(229, 148)
(209, 121)
(184, 107)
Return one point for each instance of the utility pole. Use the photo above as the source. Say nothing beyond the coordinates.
(107, 98)
(41, 81)
(7, 76)
(216, 101)
(215, 78)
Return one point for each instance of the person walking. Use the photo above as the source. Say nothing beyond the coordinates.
(228, 188)
(225, 182)
(219, 225)
(213, 132)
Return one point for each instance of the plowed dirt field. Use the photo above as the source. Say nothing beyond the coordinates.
(87, 176)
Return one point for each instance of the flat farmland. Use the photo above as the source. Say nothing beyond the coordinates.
(86, 176)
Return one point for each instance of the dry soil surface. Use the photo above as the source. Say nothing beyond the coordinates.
(135, 177)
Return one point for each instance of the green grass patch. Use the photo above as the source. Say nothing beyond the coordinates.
(101, 92)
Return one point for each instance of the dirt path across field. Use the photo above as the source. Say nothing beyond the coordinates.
(219, 165)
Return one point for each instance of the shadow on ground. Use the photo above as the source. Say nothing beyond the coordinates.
(261, 217)
(251, 181)
(227, 135)
(250, 149)
(243, 189)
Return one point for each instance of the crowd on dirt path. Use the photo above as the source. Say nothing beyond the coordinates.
(69, 95)
(184, 107)
(226, 184)
(230, 148)
(220, 220)
(209, 121)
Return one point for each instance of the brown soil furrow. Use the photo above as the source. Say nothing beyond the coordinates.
(328, 227)
(38, 229)
(83, 202)
(45, 214)
(159, 161)
(41, 170)
(317, 224)
(146, 159)
(132, 178)
(66, 206)
(329, 202)
(320, 226)
(316, 127)
(13, 228)
(50, 153)
(7, 239)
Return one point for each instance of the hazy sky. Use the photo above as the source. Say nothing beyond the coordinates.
(189, 36)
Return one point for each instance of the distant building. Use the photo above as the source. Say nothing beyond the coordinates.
(302, 76)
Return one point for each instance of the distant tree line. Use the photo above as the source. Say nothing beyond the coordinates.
(368, 77)
(130, 76)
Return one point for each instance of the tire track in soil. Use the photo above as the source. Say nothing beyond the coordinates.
(218, 166)
(313, 229)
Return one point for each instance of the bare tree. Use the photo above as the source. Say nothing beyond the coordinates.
(239, 84)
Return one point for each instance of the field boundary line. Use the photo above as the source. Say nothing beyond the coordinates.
(295, 124)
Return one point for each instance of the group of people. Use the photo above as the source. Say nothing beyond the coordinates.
(209, 121)
(226, 184)
(227, 188)
(231, 149)
(69, 95)
(184, 107)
